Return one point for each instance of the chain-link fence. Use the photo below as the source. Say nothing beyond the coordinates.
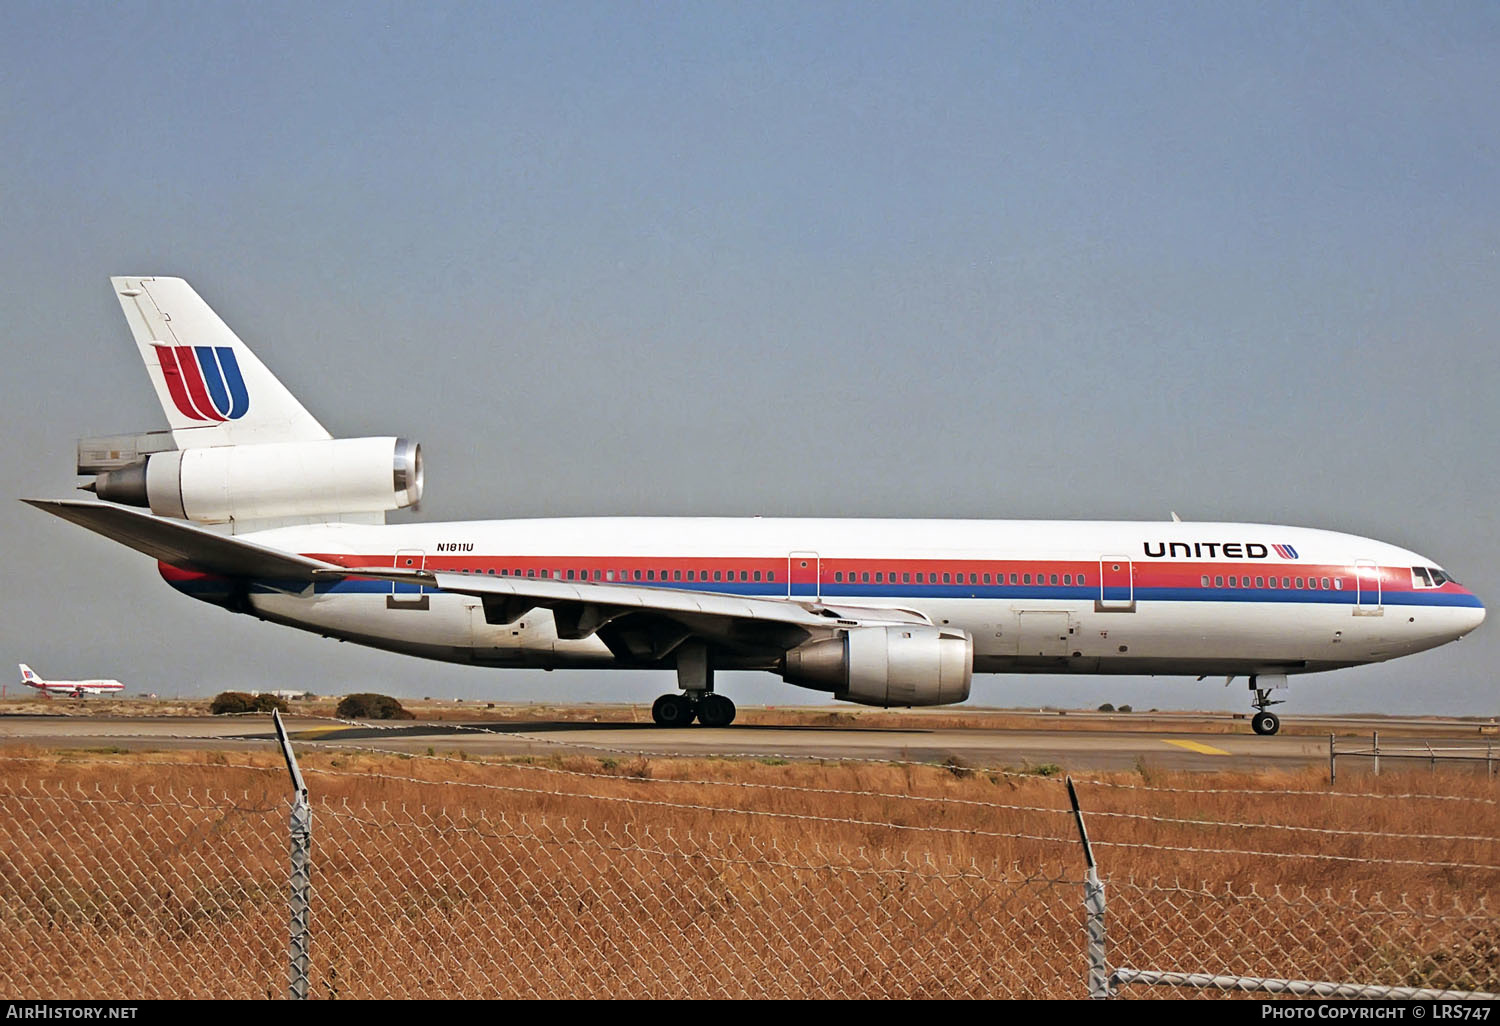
(179, 892)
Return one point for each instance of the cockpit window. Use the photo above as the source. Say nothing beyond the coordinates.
(1431, 577)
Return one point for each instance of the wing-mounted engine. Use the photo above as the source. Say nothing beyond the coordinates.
(218, 484)
(886, 666)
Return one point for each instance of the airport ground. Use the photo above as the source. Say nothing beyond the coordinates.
(1070, 740)
(1220, 848)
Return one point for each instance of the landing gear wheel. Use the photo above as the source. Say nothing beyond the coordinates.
(1265, 723)
(715, 711)
(673, 711)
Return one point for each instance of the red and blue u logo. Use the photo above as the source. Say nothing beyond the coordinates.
(204, 381)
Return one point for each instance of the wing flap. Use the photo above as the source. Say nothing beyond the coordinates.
(550, 593)
(181, 545)
(644, 622)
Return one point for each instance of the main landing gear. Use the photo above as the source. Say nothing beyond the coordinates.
(698, 702)
(1265, 722)
(707, 708)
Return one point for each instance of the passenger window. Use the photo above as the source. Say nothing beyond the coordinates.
(986, 578)
(1234, 581)
(1338, 584)
(865, 577)
(638, 575)
(1299, 583)
(1026, 579)
(947, 578)
(1013, 579)
(609, 575)
(718, 575)
(1054, 578)
(1286, 582)
(1218, 581)
(838, 577)
(906, 578)
(757, 575)
(1260, 582)
(770, 575)
(1205, 580)
(1325, 584)
(879, 577)
(1271, 582)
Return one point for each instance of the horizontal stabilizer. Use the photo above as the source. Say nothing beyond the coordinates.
(183, 546)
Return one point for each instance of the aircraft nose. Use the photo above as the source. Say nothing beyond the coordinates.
(1469, 616)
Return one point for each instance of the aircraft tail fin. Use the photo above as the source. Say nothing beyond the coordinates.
(212, 388)
(28, 676)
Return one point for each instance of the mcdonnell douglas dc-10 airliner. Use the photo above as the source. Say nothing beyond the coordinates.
(256, 508)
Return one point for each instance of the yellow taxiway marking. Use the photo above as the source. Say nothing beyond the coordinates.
(317, 732)
(1194, 746)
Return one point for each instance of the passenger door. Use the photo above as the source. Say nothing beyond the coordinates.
(408, 596)
(802, 575)
(1368, 596)
(1116, 585)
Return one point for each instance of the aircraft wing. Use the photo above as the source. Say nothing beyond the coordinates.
(645, 623)
(182, 545)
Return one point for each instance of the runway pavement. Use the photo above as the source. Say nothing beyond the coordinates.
(1072, 750)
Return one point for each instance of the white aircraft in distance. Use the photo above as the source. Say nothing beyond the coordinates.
(73, 688)
(256, 508)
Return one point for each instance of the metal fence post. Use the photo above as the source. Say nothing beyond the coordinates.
(1375, 748)
(1093, 904)
(301, 877)
(1332, 766)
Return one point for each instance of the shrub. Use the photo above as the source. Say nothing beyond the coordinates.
(1126, 708)
(265, 703)
(1106, 707)
(365, 706)
(231, 702)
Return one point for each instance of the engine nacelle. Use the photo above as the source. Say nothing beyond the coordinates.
(886, 666)
(282, 479)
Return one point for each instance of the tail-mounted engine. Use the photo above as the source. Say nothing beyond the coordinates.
(216, 484)
(886, 666)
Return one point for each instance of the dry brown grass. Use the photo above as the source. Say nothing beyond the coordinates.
(580, 875)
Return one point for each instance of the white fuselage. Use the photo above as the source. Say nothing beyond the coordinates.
(1036, 596)
(76, 688)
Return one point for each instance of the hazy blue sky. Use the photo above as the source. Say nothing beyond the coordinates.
(869, 259)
